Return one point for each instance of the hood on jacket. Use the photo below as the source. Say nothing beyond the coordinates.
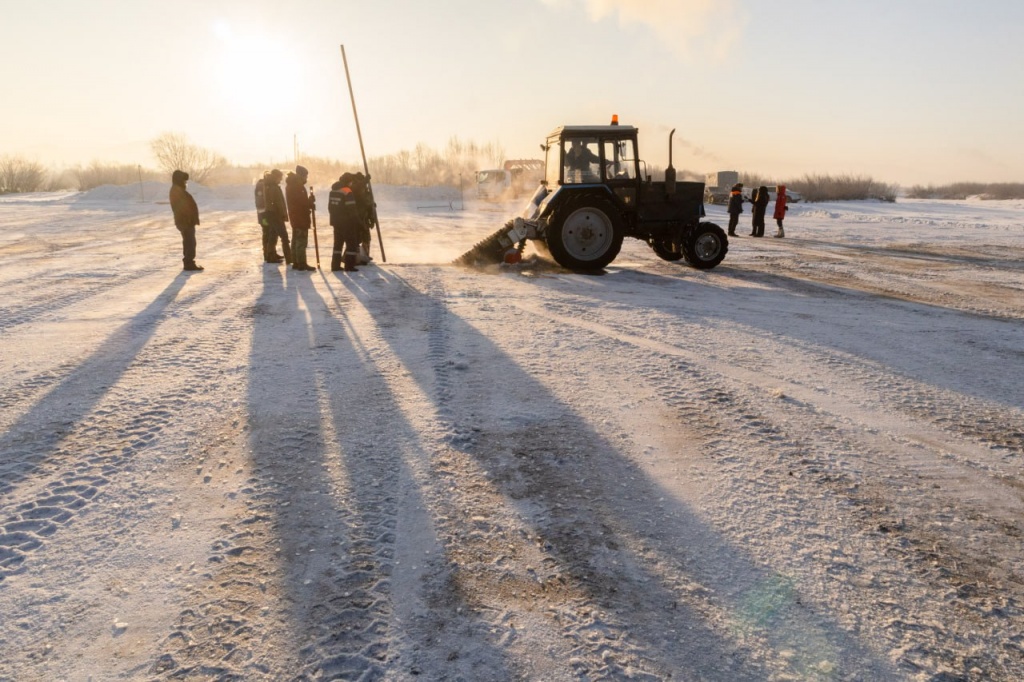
(179, 178)
(302, 172)
(292, 179)
(781, 189)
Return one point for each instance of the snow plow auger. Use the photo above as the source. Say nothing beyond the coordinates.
(593, 196)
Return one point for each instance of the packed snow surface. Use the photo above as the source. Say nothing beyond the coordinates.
(804, 464)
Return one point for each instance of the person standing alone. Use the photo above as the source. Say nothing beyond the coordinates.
(735, 207)
(186, 217)
(300, 208)
(781, 207)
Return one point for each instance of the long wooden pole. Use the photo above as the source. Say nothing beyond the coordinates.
(366, 169)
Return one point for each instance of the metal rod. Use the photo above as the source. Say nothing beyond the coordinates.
(362, 151)
(316, 244)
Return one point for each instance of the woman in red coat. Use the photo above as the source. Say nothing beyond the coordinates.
(780, 209)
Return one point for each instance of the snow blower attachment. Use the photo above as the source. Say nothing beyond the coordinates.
(593, 196)
(494, 249)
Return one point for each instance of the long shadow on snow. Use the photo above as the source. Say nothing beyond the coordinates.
(935, 255)
(337, 479)
(565, 480)
(37, 435)
(843, 320)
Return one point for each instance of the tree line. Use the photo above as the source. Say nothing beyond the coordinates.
(454, 165)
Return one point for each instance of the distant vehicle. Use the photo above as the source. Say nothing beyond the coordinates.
(748, 193)
(791, 196)
(717, 186)
(516, 178)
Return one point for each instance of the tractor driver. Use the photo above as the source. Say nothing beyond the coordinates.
(580, 158)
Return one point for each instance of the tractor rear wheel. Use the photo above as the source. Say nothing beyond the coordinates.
(586, 234)
(705, 246)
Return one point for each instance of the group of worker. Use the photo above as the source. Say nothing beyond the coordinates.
(760, 200)
(350, 206)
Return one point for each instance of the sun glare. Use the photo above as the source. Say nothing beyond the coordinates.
(254, 75)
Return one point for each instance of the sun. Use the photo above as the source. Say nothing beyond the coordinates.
(253, 75)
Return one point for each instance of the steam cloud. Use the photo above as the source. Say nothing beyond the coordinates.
(687, 27)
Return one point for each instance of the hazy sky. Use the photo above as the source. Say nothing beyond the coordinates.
(907, 91)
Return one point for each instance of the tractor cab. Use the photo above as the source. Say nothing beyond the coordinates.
(578, 155)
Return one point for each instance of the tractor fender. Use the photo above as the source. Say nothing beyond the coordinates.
(566, 195)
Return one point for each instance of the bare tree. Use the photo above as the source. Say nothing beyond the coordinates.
(20, 175)
(495, 153)
(174, 152)
(97, 174)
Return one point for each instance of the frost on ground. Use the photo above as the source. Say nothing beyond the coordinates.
(804, 464)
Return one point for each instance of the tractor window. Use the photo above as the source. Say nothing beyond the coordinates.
(620, 160)
(581, 161)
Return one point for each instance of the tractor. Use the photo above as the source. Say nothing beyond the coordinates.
(593, 196)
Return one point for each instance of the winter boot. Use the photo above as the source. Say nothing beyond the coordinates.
(363, 257)
(192, 267)
(780, 233)
(350, 262)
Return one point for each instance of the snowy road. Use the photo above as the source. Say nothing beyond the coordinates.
(804, 464)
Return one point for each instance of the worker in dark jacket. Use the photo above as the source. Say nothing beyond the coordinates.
(300, 207)
(346, 213)
(276, 213)
(186, 217)
(269, 238)
(735, 207)
(761, 200)
(367, 215)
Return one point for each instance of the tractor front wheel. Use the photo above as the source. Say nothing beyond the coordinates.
(705, 246)
(586, 234)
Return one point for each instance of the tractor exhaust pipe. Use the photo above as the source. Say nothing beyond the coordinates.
(670, 172)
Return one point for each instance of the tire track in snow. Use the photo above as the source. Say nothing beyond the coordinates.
(723, 409)
(57, 462)
(527, 561)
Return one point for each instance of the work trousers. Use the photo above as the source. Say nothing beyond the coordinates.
(346, 240)
(278, 230)
(300, 238)
(188, 244)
